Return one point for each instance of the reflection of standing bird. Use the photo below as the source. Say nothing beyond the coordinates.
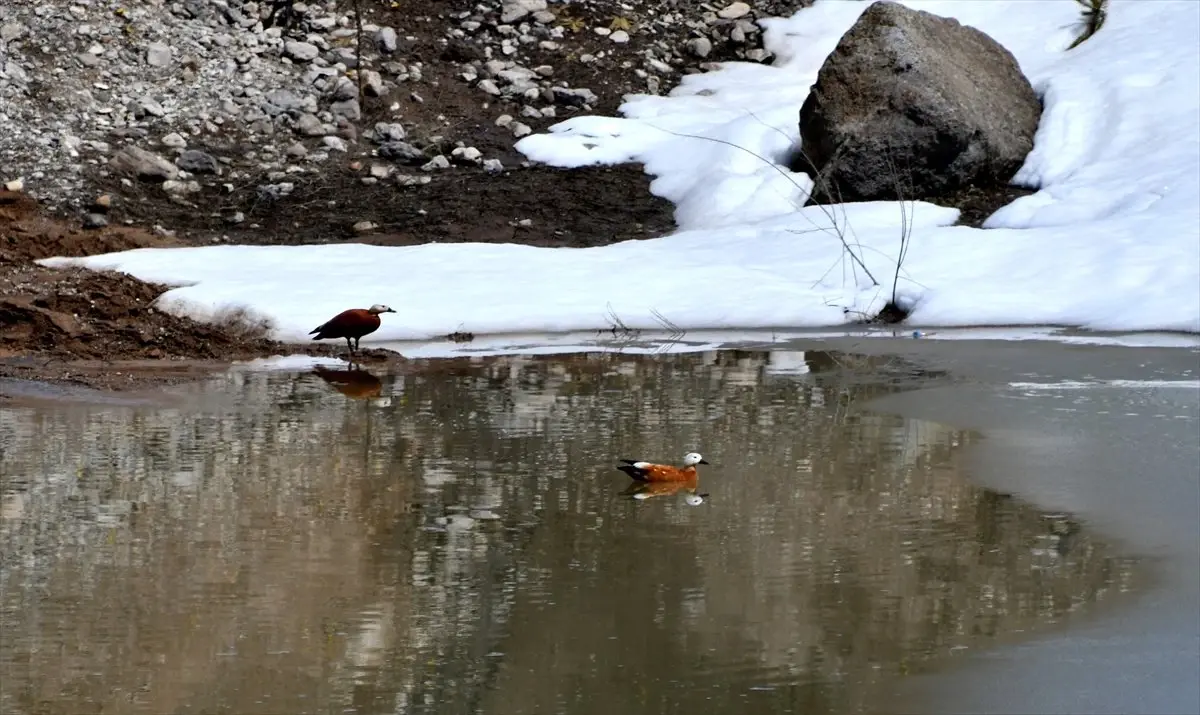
(355, 384)
(351, 324)
(651, 472)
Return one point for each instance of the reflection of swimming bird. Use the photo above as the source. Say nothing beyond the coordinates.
(649, 490)
(351, 324)
(651, 472)
(355, 384)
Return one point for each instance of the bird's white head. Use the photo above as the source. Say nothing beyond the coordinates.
(379, 308)
(691, 459)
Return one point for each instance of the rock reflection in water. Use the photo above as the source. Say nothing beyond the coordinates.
(462, 545)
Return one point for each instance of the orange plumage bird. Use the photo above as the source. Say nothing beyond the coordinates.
(351, 324)
(651, 472)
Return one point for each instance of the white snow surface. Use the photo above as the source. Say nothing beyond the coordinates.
(1110, 241)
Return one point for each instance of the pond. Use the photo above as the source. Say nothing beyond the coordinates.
(455, 538)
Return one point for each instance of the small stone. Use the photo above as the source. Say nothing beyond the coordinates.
(181, 187)
(345, 89)
(14, 185)
(235, 218)
(489, 86)
(334, 143)
(158, 54)
(520, 129)
(94, 220)
(513, 10)
(388, 132)
(504, 120)
(373, 84)
(102, 203)
(403, 152)
(197, 162)
(174, 141)
(620, 37)
(142, 164)
(309, 126)
(363, 227)
(467, 154)
(492, 166)
(437, 162)
(386, 39)
(297, 150)
(10, 31)
(700, 46)
(734, 11)
(348, 109)
(381, 171)
(301, 51)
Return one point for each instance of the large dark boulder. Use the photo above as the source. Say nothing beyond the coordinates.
(913, 100)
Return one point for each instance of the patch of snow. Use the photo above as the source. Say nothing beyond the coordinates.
(288, 363)
(1111, 240)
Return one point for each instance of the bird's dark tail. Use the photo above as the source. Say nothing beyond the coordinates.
(633, 472)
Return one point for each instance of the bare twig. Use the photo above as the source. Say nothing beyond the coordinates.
(837, 231)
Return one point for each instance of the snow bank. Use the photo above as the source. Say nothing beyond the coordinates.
(1111, 241)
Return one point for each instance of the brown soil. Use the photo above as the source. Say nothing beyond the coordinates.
(57, 325)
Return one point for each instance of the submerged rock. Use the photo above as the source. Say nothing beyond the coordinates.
(913, 105)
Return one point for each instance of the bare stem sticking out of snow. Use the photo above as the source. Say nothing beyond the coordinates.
(1095, 12)
(838, 230)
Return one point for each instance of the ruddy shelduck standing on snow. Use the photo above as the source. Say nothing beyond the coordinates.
(651, 472)
(351, 324)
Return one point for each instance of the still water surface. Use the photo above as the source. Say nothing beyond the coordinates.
(454, 539)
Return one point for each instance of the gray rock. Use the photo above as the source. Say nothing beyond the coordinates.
(492, 166)
(345, 89)
(281, 100)
(699, 47)
(334, 143)
(734, 11)
(402, 152)
(301, 51)
(348, 108)
(147, 107)
(574, 97)
(137, 162)
(10, 31)
(309, 126)
(389, 132)
(513, 10)
(94, 220)
(297, 150)
(174, 141)
(437, 162)
(918, 100)
(158, 54)
(489, 86)
(15, 72)
(373, 84)
(386, 39)
(194, 161)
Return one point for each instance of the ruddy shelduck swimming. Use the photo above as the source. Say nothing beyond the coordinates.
(651, 472)
(351, 324)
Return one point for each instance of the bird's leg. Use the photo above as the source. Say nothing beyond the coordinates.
(350, 347)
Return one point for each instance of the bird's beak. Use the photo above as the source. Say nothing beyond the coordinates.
(389, 310)
(702, 461)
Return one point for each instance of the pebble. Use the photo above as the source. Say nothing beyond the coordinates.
(387, 40)
(173, 141)
(734, 11)
(158, 54)
(301, 51)
(14, 185)
(94, 220)
(194, 161)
